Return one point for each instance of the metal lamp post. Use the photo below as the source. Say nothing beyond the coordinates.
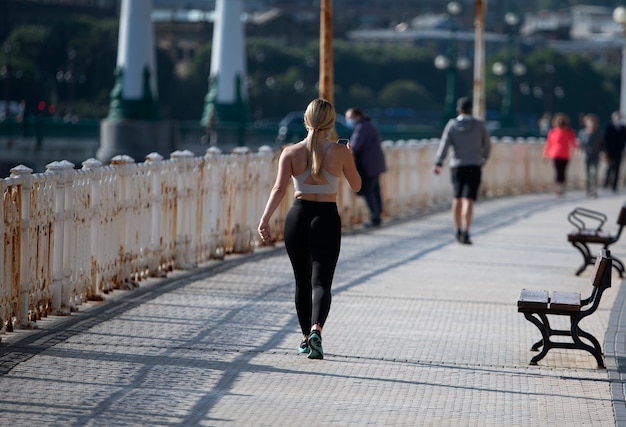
(451, 62)
(451, 65)
(478, 91)
(326, 51)
(509, 70)
(619, 16)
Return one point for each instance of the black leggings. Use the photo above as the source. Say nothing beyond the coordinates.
(313, 240)
(560, 166)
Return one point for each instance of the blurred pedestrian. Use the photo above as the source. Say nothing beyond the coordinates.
(312, 225)
(370, 161)
(471, 145)
(544, 124)
(23, 117)
(591, 142)
(559, 142)
(614, 141)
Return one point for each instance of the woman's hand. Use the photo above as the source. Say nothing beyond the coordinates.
(264, 230)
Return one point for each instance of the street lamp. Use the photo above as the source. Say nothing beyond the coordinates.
(451, 62)
(509, 70)
(454, 8)
(66, 76)
(511, 19)
(619, 16)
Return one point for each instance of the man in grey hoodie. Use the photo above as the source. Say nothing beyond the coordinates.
(471, 145)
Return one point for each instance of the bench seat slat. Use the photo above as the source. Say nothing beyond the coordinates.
(536, 299)
(591, 236)
(565, 301)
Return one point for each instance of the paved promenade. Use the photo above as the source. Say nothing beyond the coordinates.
(423, 331)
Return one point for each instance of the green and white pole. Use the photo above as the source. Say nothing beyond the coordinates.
(226, 103)
(135, 93)
(132, 126)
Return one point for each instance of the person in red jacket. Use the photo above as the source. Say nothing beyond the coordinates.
(559, 142)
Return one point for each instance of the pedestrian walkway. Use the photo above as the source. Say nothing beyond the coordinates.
(423, 331)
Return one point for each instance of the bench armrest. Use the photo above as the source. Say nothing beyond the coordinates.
(579, 215)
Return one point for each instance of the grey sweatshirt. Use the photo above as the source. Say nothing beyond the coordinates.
(469, 139)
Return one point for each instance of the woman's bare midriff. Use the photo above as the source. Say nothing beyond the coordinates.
(317, 197)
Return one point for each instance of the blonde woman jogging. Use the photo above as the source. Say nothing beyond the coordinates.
(313, 225)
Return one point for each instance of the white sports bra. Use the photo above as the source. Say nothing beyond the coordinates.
(329, 188)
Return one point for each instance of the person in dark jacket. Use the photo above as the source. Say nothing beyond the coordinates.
(471, 145)
(369, 159)
(614, 141)
(591, 141)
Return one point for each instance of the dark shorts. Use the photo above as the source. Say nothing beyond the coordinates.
(466, 180)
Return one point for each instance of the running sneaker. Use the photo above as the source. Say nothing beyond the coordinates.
(303, 347)
(315, 345)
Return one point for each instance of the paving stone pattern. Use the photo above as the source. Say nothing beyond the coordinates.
(423, 331)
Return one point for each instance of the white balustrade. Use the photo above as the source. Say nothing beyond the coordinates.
(71, 235)
(6, 304)
(212, 180)
(61, 236)
(94, 233)
(152, 251)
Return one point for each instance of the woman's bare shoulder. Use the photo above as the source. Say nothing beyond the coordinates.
(340, 150)
(339, 155)
(290, 150)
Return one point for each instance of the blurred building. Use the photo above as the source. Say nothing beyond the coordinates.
(585, 30)
(183, 26)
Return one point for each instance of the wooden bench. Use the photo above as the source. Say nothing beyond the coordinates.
(585, 234)
(537, 305)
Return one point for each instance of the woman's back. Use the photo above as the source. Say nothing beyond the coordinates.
(336, 161)
(559, 141)
(331, 159)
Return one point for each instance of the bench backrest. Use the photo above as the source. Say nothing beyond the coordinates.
(601, 280)
(621, 218)
(601, 276)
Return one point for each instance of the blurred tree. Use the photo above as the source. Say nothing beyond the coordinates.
(67, 64)
(404, 93)
(361, 95)
(558, 83)
(70, 63)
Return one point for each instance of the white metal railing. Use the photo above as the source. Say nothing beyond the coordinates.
(73, 234)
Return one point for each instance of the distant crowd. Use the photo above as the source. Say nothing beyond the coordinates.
(596, 144)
